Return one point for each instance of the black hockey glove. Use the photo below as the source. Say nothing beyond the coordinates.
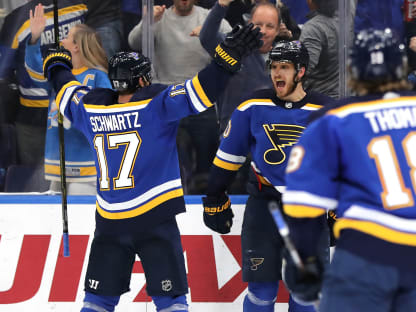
(56, 57)
(239, 42)
(304, 285)
(218, 215)
(331, 219)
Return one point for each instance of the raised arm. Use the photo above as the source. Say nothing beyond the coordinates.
(210, 35)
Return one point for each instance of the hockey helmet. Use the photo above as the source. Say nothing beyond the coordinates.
(125, 69)
(289, 52)
(377, 56)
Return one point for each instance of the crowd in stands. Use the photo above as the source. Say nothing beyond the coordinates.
(185, 34)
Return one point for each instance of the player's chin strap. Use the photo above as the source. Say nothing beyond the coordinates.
(295, 80)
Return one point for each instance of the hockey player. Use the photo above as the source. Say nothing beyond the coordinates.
(139, 191)
(266, 125)
(359, 157)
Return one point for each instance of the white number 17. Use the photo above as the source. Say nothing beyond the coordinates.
(132, 142)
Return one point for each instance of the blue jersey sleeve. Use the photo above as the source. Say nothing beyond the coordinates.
(235, 144)
(34, 64)
(101, 80)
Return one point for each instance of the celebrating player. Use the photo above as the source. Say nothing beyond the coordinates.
(266, 125)
(359, 157)
(139, 191)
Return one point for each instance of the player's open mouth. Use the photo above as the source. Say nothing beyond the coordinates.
(280, 84)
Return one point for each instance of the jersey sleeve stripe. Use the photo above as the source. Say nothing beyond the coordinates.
(65, 94)
(226, 165)
(140, 209)
(308, 199)
(200, 91)
(37, 76)
(195, 100)
(231, 158)
(301, 211)
(376, 230)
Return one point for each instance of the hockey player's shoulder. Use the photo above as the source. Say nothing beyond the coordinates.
(259, 97)
(101, 96)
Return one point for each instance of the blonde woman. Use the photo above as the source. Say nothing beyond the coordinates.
(90, 68)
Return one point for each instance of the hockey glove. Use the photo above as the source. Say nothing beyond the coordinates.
(304, 285)
(218, 215)
(332, 218)
(56, 57)
(239, 42)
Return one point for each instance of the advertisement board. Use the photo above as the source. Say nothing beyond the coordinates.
(34, 275)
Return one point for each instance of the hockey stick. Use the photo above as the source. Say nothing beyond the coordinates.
(284, 233)
(61, 146)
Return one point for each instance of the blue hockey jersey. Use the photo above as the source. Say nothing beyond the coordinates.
(137, 166)
(79, 155)
(267, 127)
(359, 158)
(15, 31)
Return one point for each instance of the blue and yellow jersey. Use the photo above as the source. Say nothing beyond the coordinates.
(14, 33)
(79, 156)
(135, 143)
(359, 158)
(268, 128)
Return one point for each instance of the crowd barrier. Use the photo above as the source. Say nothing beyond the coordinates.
(34, 275)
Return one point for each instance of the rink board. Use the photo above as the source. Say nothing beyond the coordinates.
(34, 276)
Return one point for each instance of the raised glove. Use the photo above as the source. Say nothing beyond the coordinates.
(218, 215)
(304, 285)
(332, 218)
(239, 42)
(56, 57)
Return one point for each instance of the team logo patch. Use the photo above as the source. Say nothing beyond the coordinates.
(166, 285)
(255, 263)
(281, 136)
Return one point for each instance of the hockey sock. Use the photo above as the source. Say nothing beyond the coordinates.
(260, 297)
(170, 304)
(297, 307)
(99, 303)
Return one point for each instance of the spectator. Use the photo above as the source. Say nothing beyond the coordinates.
(289, 29)
(320, 36)
(179, 56)
(90, 68)
(266, 125)
(252, 76)
(105, 17)
(32, 114)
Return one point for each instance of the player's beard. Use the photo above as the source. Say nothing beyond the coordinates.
(286, 90)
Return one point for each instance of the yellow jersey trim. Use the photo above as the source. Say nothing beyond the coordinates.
(84, 171)
(225, 165)
(376, 230)
(140, 209)
(63, 89)
(61, 12)
(200, 91)
(302, 211)
(34, 103)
